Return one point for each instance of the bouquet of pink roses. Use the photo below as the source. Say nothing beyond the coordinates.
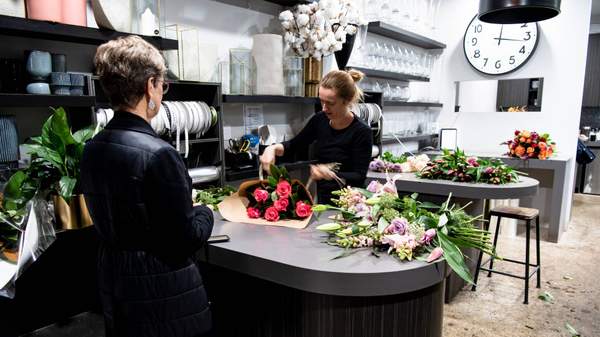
(277, 198)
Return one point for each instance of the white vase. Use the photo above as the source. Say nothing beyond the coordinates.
(267, 52)
(113, 14)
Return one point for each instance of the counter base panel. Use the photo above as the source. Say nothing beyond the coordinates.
(244, 306)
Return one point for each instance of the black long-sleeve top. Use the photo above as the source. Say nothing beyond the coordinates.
(351, 147)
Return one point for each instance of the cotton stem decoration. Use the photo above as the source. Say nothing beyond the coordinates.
(319, 28)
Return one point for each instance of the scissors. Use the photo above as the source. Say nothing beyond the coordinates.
(239, 146)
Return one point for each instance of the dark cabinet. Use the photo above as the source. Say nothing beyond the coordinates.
(591, 88)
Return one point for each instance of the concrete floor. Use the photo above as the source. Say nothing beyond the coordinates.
(570, 273)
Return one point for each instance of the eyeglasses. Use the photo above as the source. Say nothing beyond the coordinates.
(165, 85)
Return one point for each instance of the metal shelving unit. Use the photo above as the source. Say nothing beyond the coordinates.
(399, 34)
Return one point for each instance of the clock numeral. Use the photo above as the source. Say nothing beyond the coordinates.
(522, 50)
(478, 28)
(485, 59)
(498, 65)
(477, 54)
(528, 36)
(524, 25)
(474, 41)
(512, 60)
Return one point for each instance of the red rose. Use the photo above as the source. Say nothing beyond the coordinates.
(284, 189)
(261, 195)
(253, 213)
(271, 214)
(303, 210)
(282, 204)
(517, 132)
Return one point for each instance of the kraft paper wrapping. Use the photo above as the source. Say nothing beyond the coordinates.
(267, 52)
(233, 209)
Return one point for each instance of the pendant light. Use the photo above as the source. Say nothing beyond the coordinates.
(517, 11)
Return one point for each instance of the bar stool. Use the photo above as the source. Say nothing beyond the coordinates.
(518, 213)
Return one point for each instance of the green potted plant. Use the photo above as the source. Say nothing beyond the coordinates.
(53, 173)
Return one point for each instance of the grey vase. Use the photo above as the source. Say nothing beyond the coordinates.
(39, 64)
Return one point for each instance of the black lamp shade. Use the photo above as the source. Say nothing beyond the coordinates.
(517, 11)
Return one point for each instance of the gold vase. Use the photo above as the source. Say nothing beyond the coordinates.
(313, 72)
(71, 215)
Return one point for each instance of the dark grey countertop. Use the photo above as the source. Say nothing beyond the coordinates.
(410, 183)
(300, 259)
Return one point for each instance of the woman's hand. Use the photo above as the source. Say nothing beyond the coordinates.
(268, 156)
(322, 172)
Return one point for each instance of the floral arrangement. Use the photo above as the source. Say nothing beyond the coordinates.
(404, 227)
(390, 163)
(212, 196)
(456, 166)
(530, 144)
(319, 28)
(281, 198)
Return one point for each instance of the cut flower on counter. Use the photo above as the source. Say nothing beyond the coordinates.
(398, 164)
(404, 227)
(457, 166)
(211, 196)
(530, 145)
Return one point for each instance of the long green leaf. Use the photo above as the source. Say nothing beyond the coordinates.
(84, 135)
(60, 126)
(454, 258)
(52, 157)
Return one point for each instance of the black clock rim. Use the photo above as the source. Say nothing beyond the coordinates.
(537, 40)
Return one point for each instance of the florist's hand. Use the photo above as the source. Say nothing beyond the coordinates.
(321, 172)
(268, 158)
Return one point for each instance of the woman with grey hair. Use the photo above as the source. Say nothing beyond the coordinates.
(139, 196)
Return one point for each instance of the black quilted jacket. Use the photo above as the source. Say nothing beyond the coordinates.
(139, 195)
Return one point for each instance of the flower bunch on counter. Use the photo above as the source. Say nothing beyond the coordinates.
(404, 227)
(530, 144)
(400, 164)
(319, 28)
(212, 196)
(280, 199)
(457, 166)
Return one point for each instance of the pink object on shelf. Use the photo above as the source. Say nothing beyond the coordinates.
(74, 12)
(48, 10)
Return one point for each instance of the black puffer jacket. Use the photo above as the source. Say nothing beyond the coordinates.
(139, 195)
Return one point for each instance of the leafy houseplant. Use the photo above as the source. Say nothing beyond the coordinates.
(54, 168)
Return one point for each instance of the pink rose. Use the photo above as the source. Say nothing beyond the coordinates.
(261, 195)
(253, 213)
(303, 210)
(282, 204)
(271, 214)
(284, 189)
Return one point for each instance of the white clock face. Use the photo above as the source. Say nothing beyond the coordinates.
(499, 49)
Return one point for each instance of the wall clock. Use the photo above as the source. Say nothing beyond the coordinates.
(496, 49)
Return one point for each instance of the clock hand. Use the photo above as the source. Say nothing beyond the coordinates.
(500, 38)
(505, 39)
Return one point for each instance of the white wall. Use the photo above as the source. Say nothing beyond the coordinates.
(560, 59)
(478, 95)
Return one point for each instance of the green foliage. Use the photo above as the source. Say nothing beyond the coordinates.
(213, 195)
(389, 157)
(456, 166)
(56, 155)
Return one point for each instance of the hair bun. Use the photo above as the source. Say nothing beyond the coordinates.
(356, 75)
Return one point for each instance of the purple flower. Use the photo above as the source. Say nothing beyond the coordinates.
(473, 161)
(374, 186)
(488, 170)
(435, 254)
(398, 226)
(376, 165)
(396, 167)
(428, 236)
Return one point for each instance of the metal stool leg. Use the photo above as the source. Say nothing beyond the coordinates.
(527, 229)
(486, 226)
(495, 242)
(537, 250)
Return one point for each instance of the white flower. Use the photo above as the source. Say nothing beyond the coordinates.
(302, 20)
(304, 9)
(289, 37)
(339, 34)
(318, 45)
(286, 25)
(351, 30)
(286, 16)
